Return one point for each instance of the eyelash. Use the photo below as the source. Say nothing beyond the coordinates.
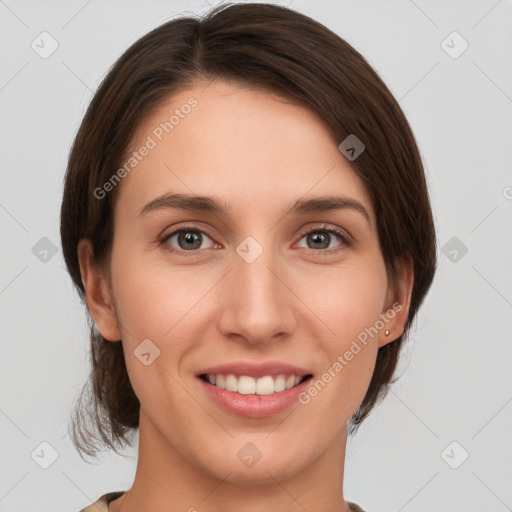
(316, 252)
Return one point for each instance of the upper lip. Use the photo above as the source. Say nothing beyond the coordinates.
(240, 368)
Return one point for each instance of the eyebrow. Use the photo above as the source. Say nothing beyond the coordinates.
(193, 203)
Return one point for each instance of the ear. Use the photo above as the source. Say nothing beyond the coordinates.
(97, 293)
(398, 299)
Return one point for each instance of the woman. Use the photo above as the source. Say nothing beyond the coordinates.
(245, 213)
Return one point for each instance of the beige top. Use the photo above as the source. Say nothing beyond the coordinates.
(101, 505)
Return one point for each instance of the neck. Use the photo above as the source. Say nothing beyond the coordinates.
(165, 480)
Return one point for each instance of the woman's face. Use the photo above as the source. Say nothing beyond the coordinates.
(247, 290)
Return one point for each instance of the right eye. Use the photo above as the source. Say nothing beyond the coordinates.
(188, 239)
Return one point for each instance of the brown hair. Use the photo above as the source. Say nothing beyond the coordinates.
(265, 46)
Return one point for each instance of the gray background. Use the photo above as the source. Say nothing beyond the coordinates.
(456, 383)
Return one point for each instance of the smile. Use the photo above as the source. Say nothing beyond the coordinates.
(247, 385)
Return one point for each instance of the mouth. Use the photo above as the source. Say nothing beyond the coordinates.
(254, 390)
(248, 385)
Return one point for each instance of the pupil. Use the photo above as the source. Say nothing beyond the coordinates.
(189, 238)
(318, 238)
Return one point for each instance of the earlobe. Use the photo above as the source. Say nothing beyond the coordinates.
(397, 305)
(97, 293)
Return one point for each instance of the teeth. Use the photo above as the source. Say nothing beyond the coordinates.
(220, 381)
(280, 383)
(231, 383)
(246, 385)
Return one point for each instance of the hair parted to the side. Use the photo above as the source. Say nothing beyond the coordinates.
(263, 46)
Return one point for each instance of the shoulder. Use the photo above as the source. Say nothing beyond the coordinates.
(101, 504)
(354, 507)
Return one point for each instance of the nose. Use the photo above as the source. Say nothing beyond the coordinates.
(258, 303)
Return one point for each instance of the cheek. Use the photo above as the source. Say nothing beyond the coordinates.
(350, 305)
(349, 298)
(157, 302)
(154, 303)
(151, 298)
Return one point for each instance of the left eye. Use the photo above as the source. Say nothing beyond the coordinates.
(322, 238)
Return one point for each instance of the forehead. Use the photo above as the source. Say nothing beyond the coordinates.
(250, 147)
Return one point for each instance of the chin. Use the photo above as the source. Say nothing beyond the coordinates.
(261, 474)
(249, 466)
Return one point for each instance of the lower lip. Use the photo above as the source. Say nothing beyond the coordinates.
(254, 406)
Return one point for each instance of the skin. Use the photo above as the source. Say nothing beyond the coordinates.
(258, 152)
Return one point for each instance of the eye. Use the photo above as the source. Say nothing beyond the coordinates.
(320, 238)
(187, 239)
